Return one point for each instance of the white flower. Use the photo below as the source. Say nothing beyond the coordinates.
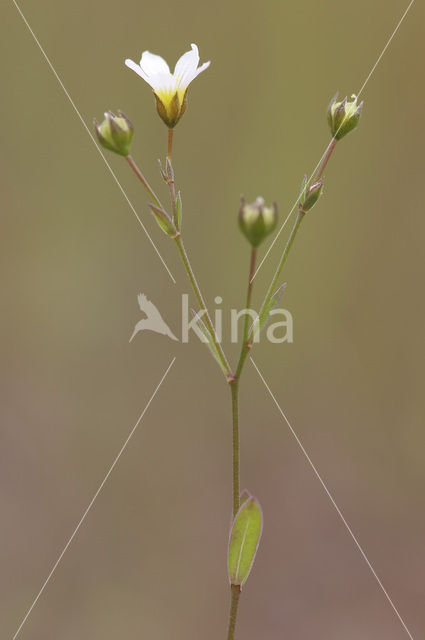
(169, 88)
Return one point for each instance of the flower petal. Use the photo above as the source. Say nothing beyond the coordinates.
(135, 67)
(201, 69)
(187, 63)
(187, 67)
(152, 64)
(156, 72)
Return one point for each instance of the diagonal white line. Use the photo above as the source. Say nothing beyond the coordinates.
(318, 164)
(319, 477)
(92, 501)
(386, 47)
(94, 141)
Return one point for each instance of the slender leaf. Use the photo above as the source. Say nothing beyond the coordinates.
(261, 320)
(163, 219)
(209, 341)
(179, 211)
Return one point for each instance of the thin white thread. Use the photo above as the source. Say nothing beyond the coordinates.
(55, 566)
(347, 526)
(318, 164)
(94, 141)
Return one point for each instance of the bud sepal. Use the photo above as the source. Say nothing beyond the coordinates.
(115, 133)
(310, 195)
(257, 221)
(343, 116)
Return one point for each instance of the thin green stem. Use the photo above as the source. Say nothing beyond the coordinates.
(322, 166)
(234, 387)
(170, 143)
(185, 259)
(172, 188)
(249, 292)
(170, 177)
(234, 390)
(236, 592)
(275, 282)
(144, 182)
(245, 343)
(245, 349)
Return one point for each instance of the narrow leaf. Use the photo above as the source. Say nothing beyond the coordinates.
(209, 341)
(169, 169)
(179, 211)
(244, 540)
(164, 175)
(261, 320)
(163, 219)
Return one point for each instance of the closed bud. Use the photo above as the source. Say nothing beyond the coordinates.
(343, 116)
(257, 221)
(115, 133)
(310, 195)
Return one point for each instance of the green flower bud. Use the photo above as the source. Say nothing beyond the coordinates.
(115, 133)
(343, 116)
(257, 221)
(310, 195)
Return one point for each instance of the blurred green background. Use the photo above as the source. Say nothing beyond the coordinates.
(149, 561)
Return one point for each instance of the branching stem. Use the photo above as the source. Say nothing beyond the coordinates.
(197, 291)
(144, 182)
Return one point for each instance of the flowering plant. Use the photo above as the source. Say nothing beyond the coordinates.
(256, 221)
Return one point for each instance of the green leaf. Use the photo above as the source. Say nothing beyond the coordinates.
(179, 211)
(210, 342)
(163, 219)
(244, 540)
(261, 320)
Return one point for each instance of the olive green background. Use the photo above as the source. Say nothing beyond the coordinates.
(149, 561)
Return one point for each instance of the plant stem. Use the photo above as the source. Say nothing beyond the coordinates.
(185, 259)
(234, 390)
(245, 349)
(172, 187)
(245, 343)
(170, 143)
(186, 263)
(274, 284)
(236, 592)
(234, 387)
(322, 166)
(144, 182)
